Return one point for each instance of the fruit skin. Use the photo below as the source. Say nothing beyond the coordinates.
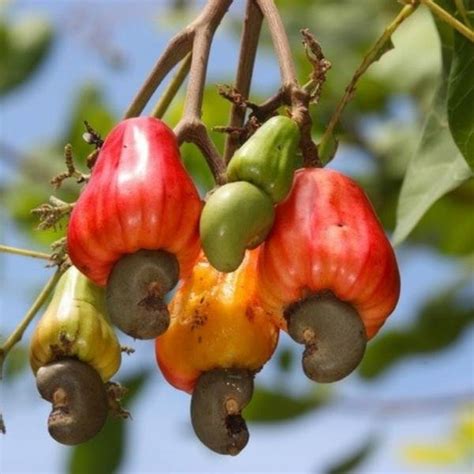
(139, 197)
(216, 322)
(327, 236)
(75, 325)
(237, 216)
(268, 159)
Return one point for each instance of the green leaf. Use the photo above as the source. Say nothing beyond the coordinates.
(285, 359)
(275, 406)
(439, 324)
(436, 168)
(104, 453)
(354, 460)
(461, 97)
(23, 48)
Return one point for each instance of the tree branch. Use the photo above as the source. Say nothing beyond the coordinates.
(280, 43)
(248, 51)
(173, 87)
(191, 128)
(176, 50)
(372, 56)
(297, 96)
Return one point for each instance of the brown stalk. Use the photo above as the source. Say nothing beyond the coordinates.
(248, 51)
(297, 96)
(176, 50)
(191, 128)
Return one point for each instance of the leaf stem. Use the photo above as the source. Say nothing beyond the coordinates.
(18, 332)
(24, 252)
(449, 19)
(173, 87)
(372, 56)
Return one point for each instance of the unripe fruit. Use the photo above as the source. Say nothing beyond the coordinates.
(236, 217)
(75, 325)
(268, 158)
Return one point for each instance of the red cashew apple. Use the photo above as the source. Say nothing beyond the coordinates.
(134, 228)
(328, 272)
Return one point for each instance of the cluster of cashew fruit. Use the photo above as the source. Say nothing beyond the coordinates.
(276, 248)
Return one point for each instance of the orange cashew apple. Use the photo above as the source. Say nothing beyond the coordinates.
(219, 336)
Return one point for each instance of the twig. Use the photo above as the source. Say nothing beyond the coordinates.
(170, 92)
(372, 55)
(248, 51)
(91, 136)
(296, 95)
(321, 65)
(280, 43)
(71, 168)
(18, 332)
(191, 128)
(449, 19)
(176, 50)
(52, 212)
(24, 252)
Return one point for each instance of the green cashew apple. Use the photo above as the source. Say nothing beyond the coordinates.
(269, 158)
(236, 217)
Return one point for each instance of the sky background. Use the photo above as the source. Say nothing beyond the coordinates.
(160, 438)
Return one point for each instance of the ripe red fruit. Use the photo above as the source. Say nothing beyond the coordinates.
(139, 199)
(327, 258)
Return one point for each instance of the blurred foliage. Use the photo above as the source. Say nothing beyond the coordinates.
(104, 453)
(439, 324)
(456, 449)
(285, 359)
(43, 162)
(392, 120)
(268, 406)
(16, 362)
(354, 460)
(461, 95)
(24, 45)
(436, 167)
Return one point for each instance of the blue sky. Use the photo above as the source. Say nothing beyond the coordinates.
(160, 438)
